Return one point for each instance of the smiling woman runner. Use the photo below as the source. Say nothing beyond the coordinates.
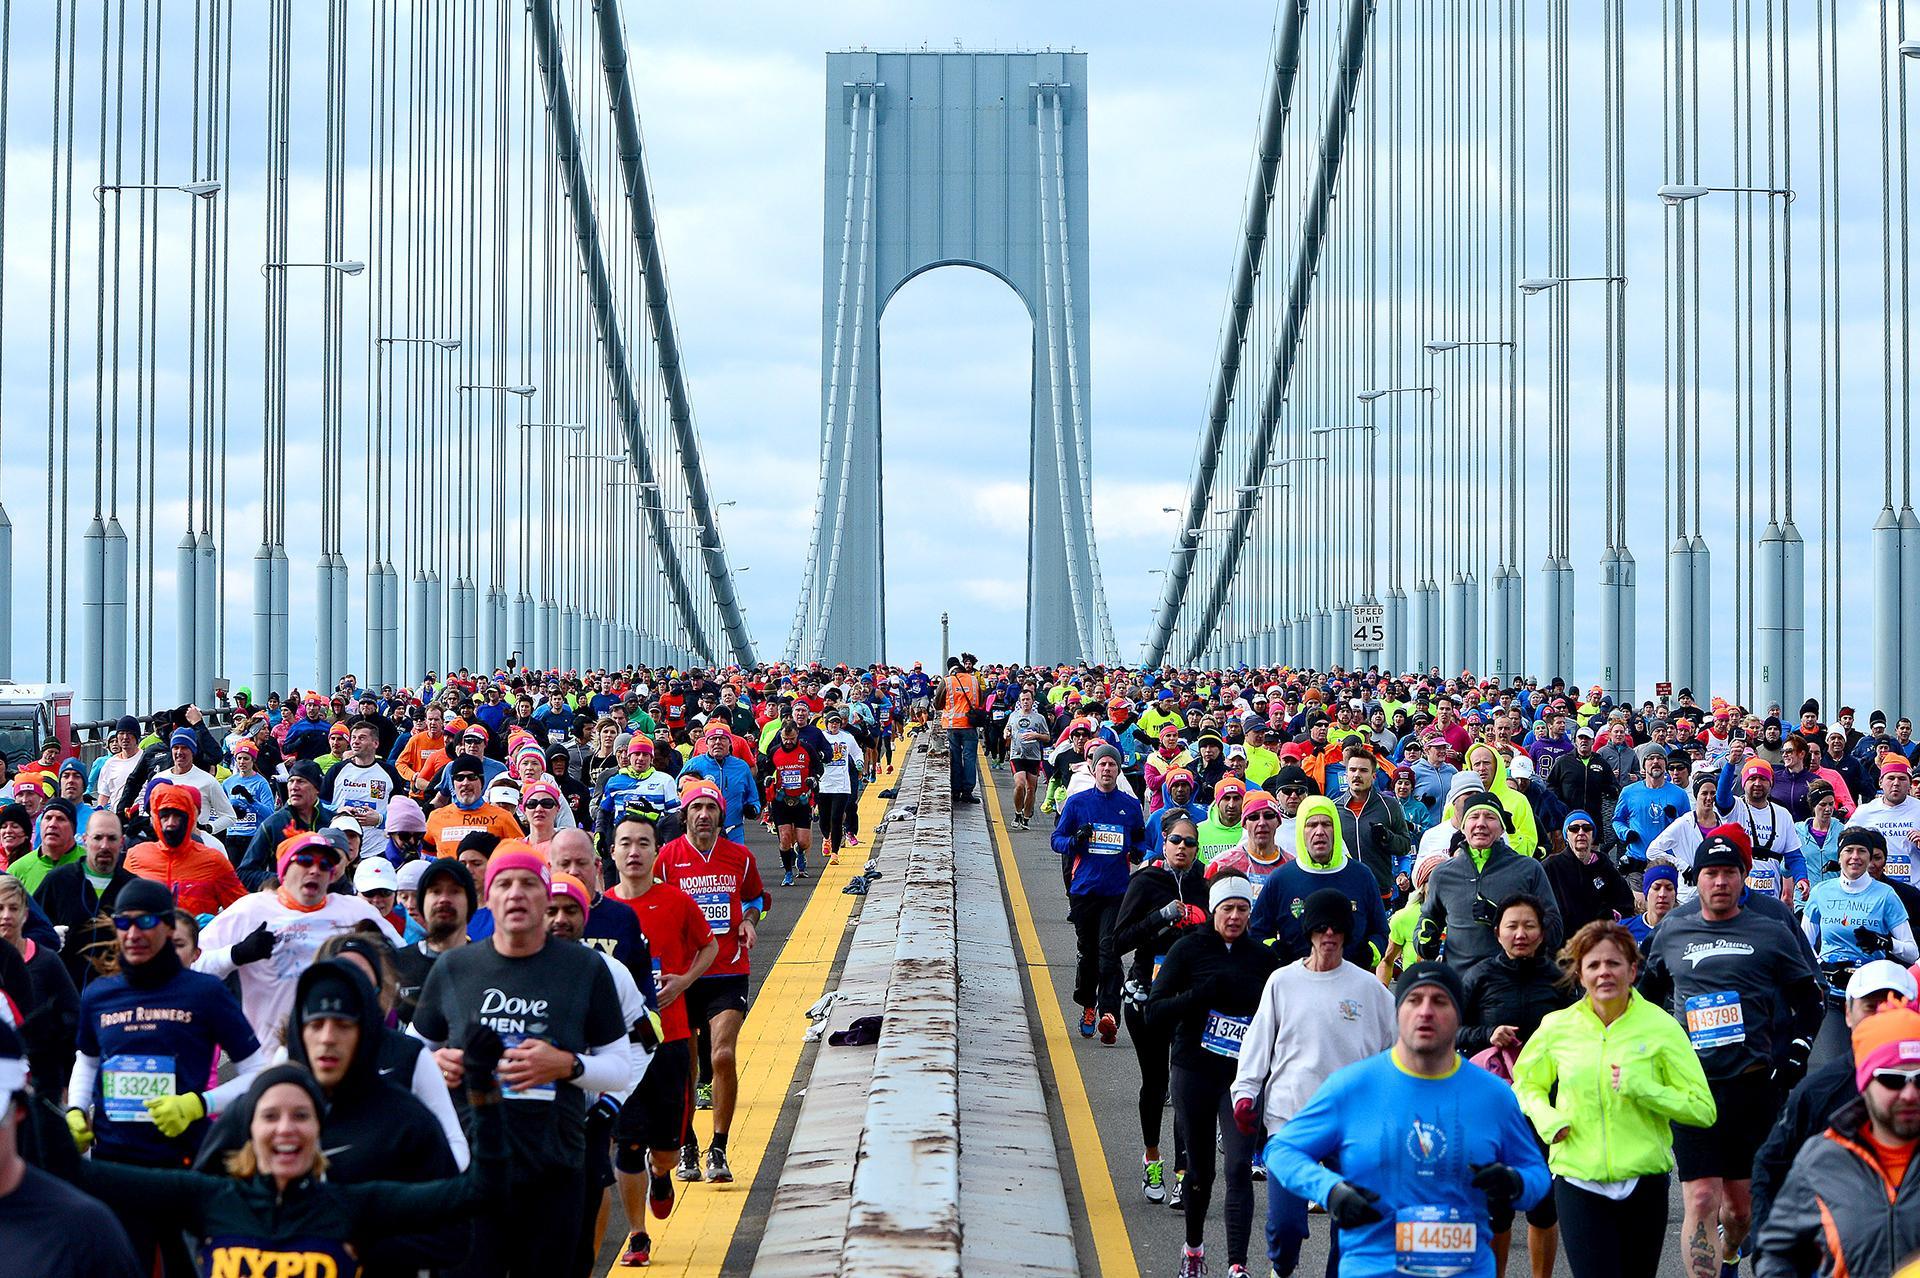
(276, 1207)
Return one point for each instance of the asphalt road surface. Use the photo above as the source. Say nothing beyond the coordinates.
(1111, 1077)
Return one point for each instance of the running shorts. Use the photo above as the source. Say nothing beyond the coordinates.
(656, 1114)
(1031, 767)
(711, 995)
(784, 813)
(1747, 1104)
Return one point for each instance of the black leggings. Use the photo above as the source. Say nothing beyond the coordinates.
(1602, 1238)
(833, 817)
(1206, 1108)
(1151, 1049)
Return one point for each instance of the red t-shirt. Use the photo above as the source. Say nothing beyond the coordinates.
(793, 772)
(675, 930)
(718, 883)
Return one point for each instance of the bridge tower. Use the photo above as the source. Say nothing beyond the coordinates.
(938, 159)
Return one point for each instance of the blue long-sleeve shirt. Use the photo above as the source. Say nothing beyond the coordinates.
(1276, 911)
(1641, 813)
(1412, 1140)
(736, 784)
(1115, 836)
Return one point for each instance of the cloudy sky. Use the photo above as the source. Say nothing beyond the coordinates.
(731, 99)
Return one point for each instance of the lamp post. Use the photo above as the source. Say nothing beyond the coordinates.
(1426, 590)
(199, 190)
(1675, 196)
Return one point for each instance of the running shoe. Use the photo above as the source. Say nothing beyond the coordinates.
(1259, 1170)
(638, 1250)
(659, 1195)
(1238, 1271)
(786, 880)
(853, 840)
(1177, 1191)
(1193, 1264)
(800, 871)
(689, 1168)
(1087, 1021)
(800, 865)
(1109, 1029)
(1153, 1182)
(717, 1170)
(703, 1096)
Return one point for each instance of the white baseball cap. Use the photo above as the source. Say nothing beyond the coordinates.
(1881, 974)
(345, 821)
(411, 873)
(375, 874)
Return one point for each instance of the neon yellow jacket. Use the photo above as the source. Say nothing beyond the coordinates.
(1611, 1135)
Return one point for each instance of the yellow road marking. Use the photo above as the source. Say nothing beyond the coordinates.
(1105, 1221)
(693, 1240)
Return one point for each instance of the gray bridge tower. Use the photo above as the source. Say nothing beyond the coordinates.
(939, 159)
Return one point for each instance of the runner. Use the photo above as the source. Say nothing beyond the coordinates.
(1425, 1144)
(146, 1050)
(1317, 1015)
(655, 1121)
(1604, 1082)
(1204, 998)
(293, 920)
(838, 783)
(1101, 832)
(1027, 736)
(1320, 862)
(554, 1012)
(724, 882)
(1463, 895)
(1851, 920)
(447, 900)
(1163, 900)
(1741, 985)
(793, 770)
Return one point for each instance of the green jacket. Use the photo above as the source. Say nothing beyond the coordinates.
(1611, 1135)
(1216, 836)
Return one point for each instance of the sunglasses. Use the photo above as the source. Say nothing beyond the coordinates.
(1181, 841)
(1263, 816)
(1895, 1080)
(142, 921)
(1579, 826)
(1295, 790)
(532, 805)
(312, 859)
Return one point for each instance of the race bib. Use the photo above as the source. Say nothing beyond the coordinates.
(790, 778)
(1715, 1020)
(1158, 959)
(1224, 1034)
(543, 1092)
(718, 909)
(1107, 840)
(1900, 863)
(1765, 877)
(1433, 1242)
(126, 1082)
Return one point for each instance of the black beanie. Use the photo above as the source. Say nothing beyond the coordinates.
(332, 991)
(1430, 973)
(144, 896)
(1327, 908)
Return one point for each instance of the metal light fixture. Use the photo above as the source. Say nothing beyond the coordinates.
(199, 190)
(1674, 196)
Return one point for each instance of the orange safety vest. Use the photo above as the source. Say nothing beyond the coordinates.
(963, 696)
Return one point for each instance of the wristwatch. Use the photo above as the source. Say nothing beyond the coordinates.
(579, 1067)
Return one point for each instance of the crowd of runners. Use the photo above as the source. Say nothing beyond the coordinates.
(416, 979)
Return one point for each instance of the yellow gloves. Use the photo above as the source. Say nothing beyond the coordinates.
(174, 1114)
(82, 1134)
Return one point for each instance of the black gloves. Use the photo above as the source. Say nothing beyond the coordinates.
(1352, 1205)
(483, 1052)
(1792, 1067)
(1499, 1182)
(253, 947)
(1873, 942)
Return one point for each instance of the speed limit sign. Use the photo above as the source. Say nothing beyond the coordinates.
(1369, 627)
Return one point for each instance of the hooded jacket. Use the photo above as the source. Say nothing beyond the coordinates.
(200, 877)
(1509, 991)
(1276, 912)
(1523, 835)
(375, 1129)
(1838, 1213)
(1464, 881)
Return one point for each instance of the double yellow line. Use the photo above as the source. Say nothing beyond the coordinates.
(1113, 1246)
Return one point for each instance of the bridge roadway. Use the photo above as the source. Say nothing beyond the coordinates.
(804, 951)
